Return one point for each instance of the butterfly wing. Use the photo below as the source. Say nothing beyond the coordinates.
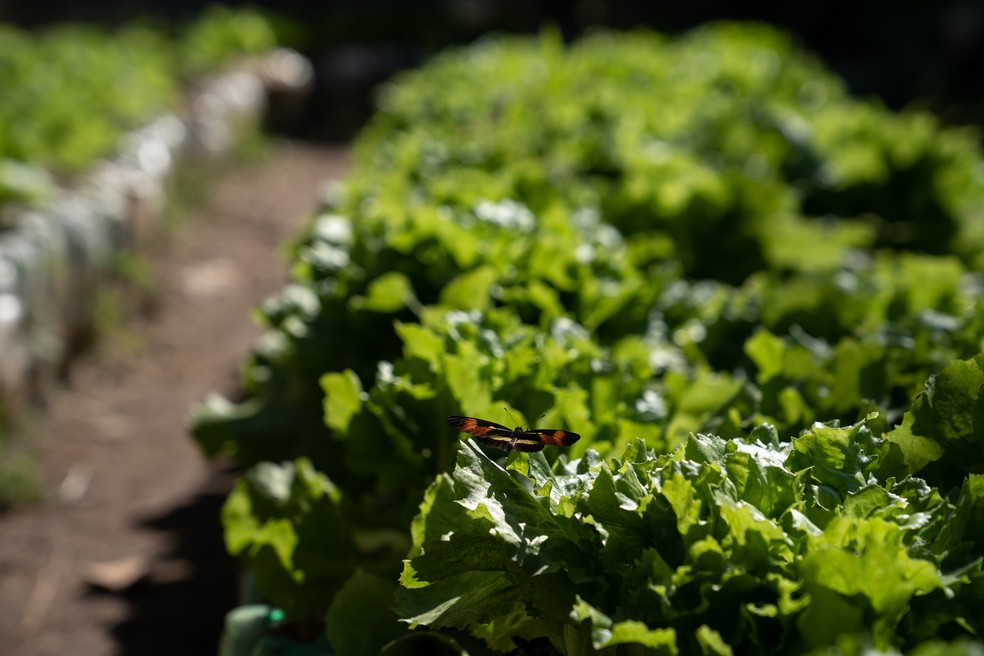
(478, 427)
(553, 436)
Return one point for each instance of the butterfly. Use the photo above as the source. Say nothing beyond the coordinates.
(498, 436)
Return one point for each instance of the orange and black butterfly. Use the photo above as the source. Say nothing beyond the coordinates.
(498, 436)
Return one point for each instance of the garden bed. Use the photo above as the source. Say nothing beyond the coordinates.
(755, 298)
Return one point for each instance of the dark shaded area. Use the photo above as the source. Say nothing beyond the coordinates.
(180, 607)
(925, 53)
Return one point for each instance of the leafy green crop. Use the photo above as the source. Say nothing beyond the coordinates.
(941, 435)
(756, 299)
(221, 33)
(68, 96)
(722, 547)
(71, 91)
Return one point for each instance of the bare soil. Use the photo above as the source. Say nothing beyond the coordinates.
(125, 555)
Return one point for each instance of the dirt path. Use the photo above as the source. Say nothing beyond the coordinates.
(148, 501)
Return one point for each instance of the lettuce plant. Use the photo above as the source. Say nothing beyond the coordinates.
(756, 299)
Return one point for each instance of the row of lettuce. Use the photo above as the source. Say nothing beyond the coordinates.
(71, 91)
(755, 297)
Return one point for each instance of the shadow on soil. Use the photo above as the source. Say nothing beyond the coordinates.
(180, 607)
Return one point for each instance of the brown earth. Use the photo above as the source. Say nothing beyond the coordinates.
(125, 554)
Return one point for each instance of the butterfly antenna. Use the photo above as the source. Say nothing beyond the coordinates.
(530, 423)
(510, 415)
(527, 424)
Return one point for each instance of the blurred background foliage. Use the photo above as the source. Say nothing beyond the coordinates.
(918, 52)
